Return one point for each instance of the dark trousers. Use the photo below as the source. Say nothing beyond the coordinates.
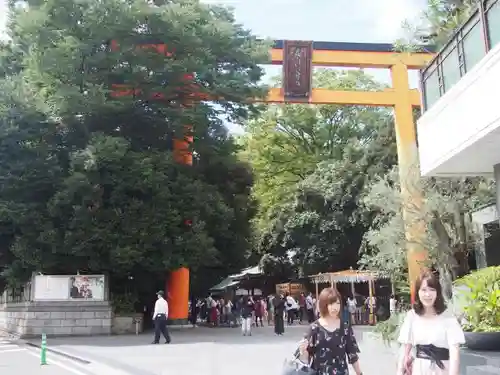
(161, 328)
(279, 325)
(310, 315)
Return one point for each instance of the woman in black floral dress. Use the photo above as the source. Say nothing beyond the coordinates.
(329, 344)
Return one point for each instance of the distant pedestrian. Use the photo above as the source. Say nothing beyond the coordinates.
(310, 308)
(292, 308)
(270, 309)
(393, 304)
(352, 307)
(279, 312)
(259, 313)
(247, 311)
(160, 316)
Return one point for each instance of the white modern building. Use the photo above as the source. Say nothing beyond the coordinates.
(459, 130)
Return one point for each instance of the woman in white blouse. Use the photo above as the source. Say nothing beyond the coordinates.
(431, 335)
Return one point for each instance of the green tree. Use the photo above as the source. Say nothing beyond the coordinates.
(311, 164)
(436, 24)
(111, 198)
(322, 228)
(285, 144)
(448, 200)
(450, 235)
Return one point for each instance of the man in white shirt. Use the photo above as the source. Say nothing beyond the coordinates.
(292, 308)
(160, 316)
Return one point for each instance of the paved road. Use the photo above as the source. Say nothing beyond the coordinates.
(21, 359)
(223, 351)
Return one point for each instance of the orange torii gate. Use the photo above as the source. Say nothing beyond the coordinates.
(298, 59)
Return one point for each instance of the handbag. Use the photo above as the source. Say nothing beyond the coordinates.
(295, 366)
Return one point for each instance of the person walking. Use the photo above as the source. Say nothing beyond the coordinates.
(160, 316)
(351, 307)
(310, 308)
(302, 307)
(393, 303)
(329, 344)
(430, 333)
(259, 313)
(279, 312)
(270, 310)
(246, 316)
(193, 316)
(292, 309)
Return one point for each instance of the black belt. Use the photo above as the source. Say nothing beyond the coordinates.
(435, 354)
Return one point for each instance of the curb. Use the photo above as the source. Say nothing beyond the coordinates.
(59, 352)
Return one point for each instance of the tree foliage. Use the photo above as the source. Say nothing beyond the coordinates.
(450, 237)
(311, 163)
(88, 182)
(436, 24)
(449, 233)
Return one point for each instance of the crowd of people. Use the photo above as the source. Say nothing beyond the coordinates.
(430, 334)
(275, 309)
(249, 311)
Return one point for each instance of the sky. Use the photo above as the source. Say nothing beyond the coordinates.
(368, 21)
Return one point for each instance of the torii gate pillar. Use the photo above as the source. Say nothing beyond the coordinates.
(298, 57)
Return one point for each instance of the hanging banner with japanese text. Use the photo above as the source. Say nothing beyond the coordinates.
(297, 70)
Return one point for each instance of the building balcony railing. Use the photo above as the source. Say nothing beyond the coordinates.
(463, 51)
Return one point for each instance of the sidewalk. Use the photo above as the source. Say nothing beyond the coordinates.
(18, 359)
(224, 351)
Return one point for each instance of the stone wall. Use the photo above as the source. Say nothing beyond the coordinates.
(29, 319)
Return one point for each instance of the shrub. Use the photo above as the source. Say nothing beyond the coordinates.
(388, 330)
(480, 294)
(123, 304)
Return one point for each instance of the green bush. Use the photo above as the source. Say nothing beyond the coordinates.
(388, 330)
(123, 304)
(480, 296)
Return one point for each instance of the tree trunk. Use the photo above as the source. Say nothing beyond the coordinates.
(446, 261)
(461, 251)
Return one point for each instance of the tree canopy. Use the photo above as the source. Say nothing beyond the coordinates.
(450, 237)
(311, 164)
(88, 182)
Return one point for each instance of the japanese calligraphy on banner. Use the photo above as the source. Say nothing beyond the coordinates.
(297, 70)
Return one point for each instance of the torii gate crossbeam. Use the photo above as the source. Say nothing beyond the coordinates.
(298, 59)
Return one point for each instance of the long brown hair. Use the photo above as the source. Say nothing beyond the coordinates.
(432, 280)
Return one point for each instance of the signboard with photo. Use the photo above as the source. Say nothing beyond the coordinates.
(66, 287)
(51, 288)
(87, 287)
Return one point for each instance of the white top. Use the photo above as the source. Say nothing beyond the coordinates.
(371, 301)
(351, 304)
(291, 303)
(161, 307)
(309, 303)
(392, 304)
(228, 307)
(442, 331)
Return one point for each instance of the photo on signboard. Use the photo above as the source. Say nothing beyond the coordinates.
(87, 287)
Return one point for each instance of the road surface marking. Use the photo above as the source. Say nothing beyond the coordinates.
(12, 350)
(57, 363)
